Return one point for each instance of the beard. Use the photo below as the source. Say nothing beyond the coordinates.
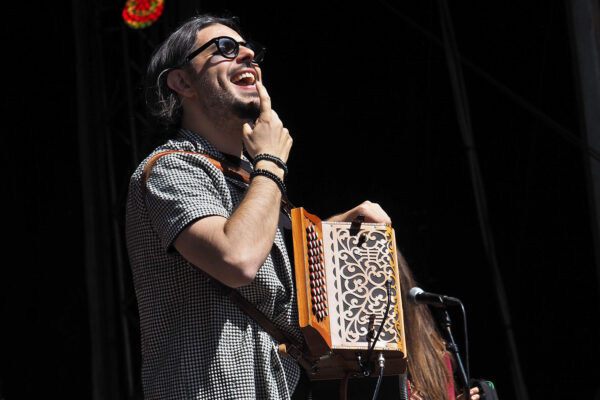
(222, 104)
(246, 110)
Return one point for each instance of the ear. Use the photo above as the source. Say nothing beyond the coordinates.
(178, 80)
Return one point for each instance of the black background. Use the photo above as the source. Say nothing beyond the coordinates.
(365, 91)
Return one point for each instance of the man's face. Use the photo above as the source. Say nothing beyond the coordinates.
(225, 86)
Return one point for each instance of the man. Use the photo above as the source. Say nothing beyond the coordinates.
(191, 227)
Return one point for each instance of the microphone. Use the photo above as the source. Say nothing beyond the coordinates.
(418, 296)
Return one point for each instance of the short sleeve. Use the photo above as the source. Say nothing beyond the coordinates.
(180, 189)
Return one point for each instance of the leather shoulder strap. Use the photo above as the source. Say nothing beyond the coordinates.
(228, 169)
(242, 175)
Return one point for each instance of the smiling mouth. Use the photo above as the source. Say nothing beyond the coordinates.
(244, 79)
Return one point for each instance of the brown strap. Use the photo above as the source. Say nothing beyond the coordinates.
(256, 314)
(292, 347)
(228, 169)
(296, 348)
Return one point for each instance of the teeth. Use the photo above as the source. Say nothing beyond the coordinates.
(246, 76)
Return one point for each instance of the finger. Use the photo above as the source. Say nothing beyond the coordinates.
(263, 95)
(374, 213)
(247, 129)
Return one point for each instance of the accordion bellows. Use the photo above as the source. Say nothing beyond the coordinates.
(345, 273)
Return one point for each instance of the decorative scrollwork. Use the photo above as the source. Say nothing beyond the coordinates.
(363, 263)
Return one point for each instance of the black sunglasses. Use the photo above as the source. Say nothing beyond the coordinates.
(230, 48)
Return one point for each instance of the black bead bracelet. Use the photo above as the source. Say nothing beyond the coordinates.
(271, 158)
(272, 176)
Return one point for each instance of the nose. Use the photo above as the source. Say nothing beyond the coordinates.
(245, 54)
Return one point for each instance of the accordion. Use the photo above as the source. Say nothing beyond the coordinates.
(349, 297)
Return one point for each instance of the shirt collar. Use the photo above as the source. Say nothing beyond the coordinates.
(204, 146)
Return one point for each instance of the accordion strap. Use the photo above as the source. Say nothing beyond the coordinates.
(291, 347)
(229, 169)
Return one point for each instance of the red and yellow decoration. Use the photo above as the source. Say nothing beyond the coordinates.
(140, 14)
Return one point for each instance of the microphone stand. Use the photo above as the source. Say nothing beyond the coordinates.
(446, 324)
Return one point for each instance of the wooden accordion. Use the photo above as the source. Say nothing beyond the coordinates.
(347, 281)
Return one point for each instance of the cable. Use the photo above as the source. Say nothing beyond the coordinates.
(388, 285)
(381, 360)
(464, 317)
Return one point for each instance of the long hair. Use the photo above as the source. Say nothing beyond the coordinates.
(164, 104)
(425, 347)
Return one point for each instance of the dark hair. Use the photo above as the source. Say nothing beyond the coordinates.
(163, 103)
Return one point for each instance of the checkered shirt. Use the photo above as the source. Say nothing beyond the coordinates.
(196, 343)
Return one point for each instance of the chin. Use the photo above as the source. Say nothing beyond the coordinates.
(247, 111)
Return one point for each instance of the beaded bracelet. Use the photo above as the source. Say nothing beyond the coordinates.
(271, 158)
(271, 176)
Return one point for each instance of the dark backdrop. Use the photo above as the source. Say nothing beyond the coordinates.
(366, 94)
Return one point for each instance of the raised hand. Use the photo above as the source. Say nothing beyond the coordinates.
(267, 135)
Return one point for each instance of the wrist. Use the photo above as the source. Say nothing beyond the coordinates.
(271, 176)
(264, 158)
(271, 167)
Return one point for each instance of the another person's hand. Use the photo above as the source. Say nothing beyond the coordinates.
(473, 394)
(372, 212)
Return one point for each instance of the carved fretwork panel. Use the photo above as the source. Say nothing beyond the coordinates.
(359, 262)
